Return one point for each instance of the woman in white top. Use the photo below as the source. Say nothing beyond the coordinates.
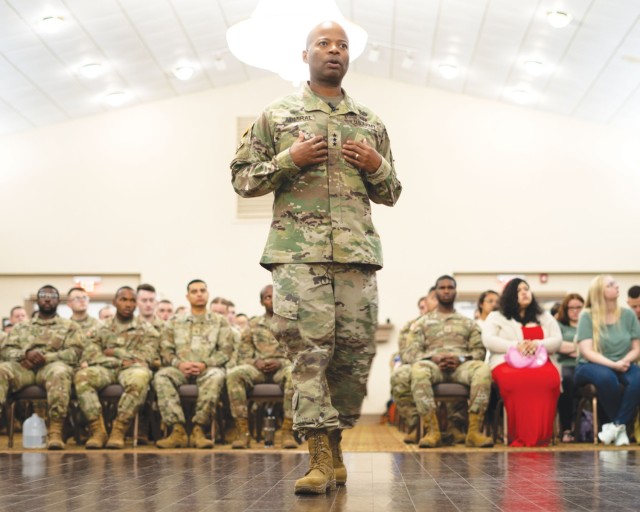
(530, 394)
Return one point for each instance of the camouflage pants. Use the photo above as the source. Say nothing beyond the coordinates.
(56, 378)
(475, 374)
(135, 381)
(402, 396)
(166, 383)
(245, 376)
(326, 317)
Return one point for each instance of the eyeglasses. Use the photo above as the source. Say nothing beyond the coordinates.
(47, 295)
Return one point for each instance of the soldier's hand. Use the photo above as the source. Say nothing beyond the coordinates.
(197, 368)
(25, 363)
(185, 368)
(126, 363)
(361, 155)
(272, 366)
(35, 357)
(260, 364)
(309, 152)
(109, 352)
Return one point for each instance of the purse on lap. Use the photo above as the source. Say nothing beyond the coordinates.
(514, 358)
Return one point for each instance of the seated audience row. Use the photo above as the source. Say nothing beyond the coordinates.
(530, 354)
(197, 348)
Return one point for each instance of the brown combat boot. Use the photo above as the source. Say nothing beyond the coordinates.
(177, 439)
(54, 435)
(98, 434)
(475, 438)
(339, 469)
(199, 438)
(410, 435)
(320, 477)
(243, 438)
(288, 441)
(457, 435)
(118, 432)
(432, 437)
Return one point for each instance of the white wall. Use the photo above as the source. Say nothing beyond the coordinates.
(488, 187)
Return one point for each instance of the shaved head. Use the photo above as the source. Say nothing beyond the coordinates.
(318, 29)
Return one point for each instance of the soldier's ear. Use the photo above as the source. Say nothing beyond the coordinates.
(304, 56)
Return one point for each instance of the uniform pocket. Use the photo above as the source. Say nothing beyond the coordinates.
(285, 299)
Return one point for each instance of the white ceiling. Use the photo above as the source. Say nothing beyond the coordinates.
(591, 67)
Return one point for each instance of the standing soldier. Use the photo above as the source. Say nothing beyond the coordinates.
(260, 359)
(195, 349)
(445, 346)
(122, 350)
(43, 352)
(325, 157)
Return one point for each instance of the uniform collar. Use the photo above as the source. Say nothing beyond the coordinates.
(314, 102)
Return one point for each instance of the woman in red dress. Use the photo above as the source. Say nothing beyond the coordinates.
(530, 394)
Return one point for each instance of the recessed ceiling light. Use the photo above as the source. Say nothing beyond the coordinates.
(116, 99)
(534, 67)
(91, 70)
(183, 72)
(220, 63)
(521, 96)
(407, 62)
(559, 19)
(374, 54)
(448, 71)
(51, 24)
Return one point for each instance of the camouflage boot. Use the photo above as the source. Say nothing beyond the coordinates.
(199, 439)
(432, 437)
(288, 441)
(475, 438)
(118, 432)
(243, 438)
(320, 477)
(339, 469)
(54, 435)
(177, 439)
(98, 435)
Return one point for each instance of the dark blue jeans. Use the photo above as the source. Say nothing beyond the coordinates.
(619, 405)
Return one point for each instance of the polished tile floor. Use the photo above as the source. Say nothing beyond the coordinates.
(229, 482)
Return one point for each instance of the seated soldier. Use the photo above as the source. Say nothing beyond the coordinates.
(260, 359)
(78, 302)
(43, 351)
(121, 351)
(194, 349)
(401, 372)
(445, 346)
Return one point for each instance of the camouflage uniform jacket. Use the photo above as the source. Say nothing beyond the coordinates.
(321, 213)
(204, 339)
(403, 337)
(136, 340)
(258, 342)
(59, 339)
(87, 325)
(438, 333)
(3, 336)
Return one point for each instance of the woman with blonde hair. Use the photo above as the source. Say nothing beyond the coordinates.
(609, 342)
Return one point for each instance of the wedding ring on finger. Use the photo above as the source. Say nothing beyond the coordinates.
(357, 156)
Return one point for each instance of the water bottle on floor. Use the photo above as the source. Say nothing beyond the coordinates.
(34, 432)
(269, 428)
